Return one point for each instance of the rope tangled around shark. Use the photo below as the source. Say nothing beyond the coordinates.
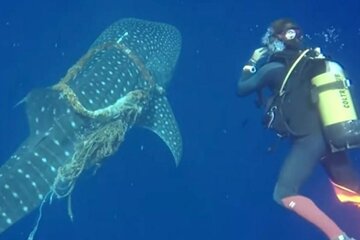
(92, 148)
(116, 119)
(71, 74)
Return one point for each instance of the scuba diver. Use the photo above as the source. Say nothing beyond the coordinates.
(306, 98)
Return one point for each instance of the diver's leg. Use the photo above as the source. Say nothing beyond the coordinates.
(306, 152)
(344, 178)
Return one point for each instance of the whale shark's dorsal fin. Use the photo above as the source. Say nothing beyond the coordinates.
(41, 110)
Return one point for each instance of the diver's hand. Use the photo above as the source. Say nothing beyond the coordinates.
(258, 54)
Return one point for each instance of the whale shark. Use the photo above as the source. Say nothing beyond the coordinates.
(118, 84)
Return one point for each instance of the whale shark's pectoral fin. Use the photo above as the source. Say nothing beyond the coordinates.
(160, 119)
(43, 107)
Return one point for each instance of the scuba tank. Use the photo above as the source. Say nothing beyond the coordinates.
(335, 104)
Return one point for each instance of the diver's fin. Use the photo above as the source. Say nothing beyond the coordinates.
(160, 119)
(346, 195)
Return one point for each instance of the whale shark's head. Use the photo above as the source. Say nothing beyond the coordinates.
(157, 44)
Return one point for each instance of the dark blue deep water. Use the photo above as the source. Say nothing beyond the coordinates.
(222, 190)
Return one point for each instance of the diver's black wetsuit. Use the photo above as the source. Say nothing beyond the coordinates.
(307, 150)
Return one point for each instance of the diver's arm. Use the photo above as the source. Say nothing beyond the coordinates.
(251, 82)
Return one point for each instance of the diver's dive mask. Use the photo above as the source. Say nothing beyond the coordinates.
(291, 34)
(290, 37)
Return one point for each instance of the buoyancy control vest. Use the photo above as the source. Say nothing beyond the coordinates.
(315, 94)
(290, 111)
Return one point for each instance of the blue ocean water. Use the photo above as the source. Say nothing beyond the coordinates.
(223, 187)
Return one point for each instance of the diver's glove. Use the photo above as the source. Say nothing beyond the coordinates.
(257, 55)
